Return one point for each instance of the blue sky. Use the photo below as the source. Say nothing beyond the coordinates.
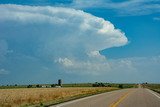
(79, 41)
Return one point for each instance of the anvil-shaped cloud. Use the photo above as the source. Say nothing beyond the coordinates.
(67, 38)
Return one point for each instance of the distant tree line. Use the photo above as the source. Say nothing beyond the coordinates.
(41, 86)
(96, 84)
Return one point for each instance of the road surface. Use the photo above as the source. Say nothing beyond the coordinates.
(135, 97)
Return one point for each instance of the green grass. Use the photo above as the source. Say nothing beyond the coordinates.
(78, 85)
(154, 87)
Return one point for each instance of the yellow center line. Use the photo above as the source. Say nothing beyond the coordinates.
(120, 99)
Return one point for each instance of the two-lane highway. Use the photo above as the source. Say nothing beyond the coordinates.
(135, 97)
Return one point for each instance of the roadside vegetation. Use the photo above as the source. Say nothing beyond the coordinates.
(154, 87)
(100, 84)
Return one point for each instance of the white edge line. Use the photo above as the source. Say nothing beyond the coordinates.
(73, 101)
(153, 93)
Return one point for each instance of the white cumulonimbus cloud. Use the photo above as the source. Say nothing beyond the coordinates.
(66, 37)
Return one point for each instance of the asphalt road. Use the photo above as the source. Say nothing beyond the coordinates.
(135, 97)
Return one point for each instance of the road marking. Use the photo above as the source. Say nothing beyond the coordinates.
(153, 93)
(120, 99)
(81, 99)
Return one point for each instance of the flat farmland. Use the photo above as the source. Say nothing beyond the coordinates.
(45, 96)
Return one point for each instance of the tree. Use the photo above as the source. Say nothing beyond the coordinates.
(120, 86)
(96, 84)
(29, 86)
(38, 86)
(53, 85)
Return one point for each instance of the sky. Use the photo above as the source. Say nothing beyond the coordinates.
(42, 41)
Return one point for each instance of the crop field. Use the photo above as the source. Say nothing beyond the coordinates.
(45, 96)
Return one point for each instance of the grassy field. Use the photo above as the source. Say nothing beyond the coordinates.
(154, 87)
(45, 96)
(106, 84)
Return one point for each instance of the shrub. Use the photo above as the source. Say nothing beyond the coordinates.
(29, 86)
(53, 85)
(38, 86)
(120, 86)
(96, 84)
(109, 85)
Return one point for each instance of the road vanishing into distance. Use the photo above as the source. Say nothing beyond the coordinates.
(134, 97)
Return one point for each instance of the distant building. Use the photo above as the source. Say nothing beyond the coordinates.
(44, 86)
(59, 82)
(49, 86)
(57, 86)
